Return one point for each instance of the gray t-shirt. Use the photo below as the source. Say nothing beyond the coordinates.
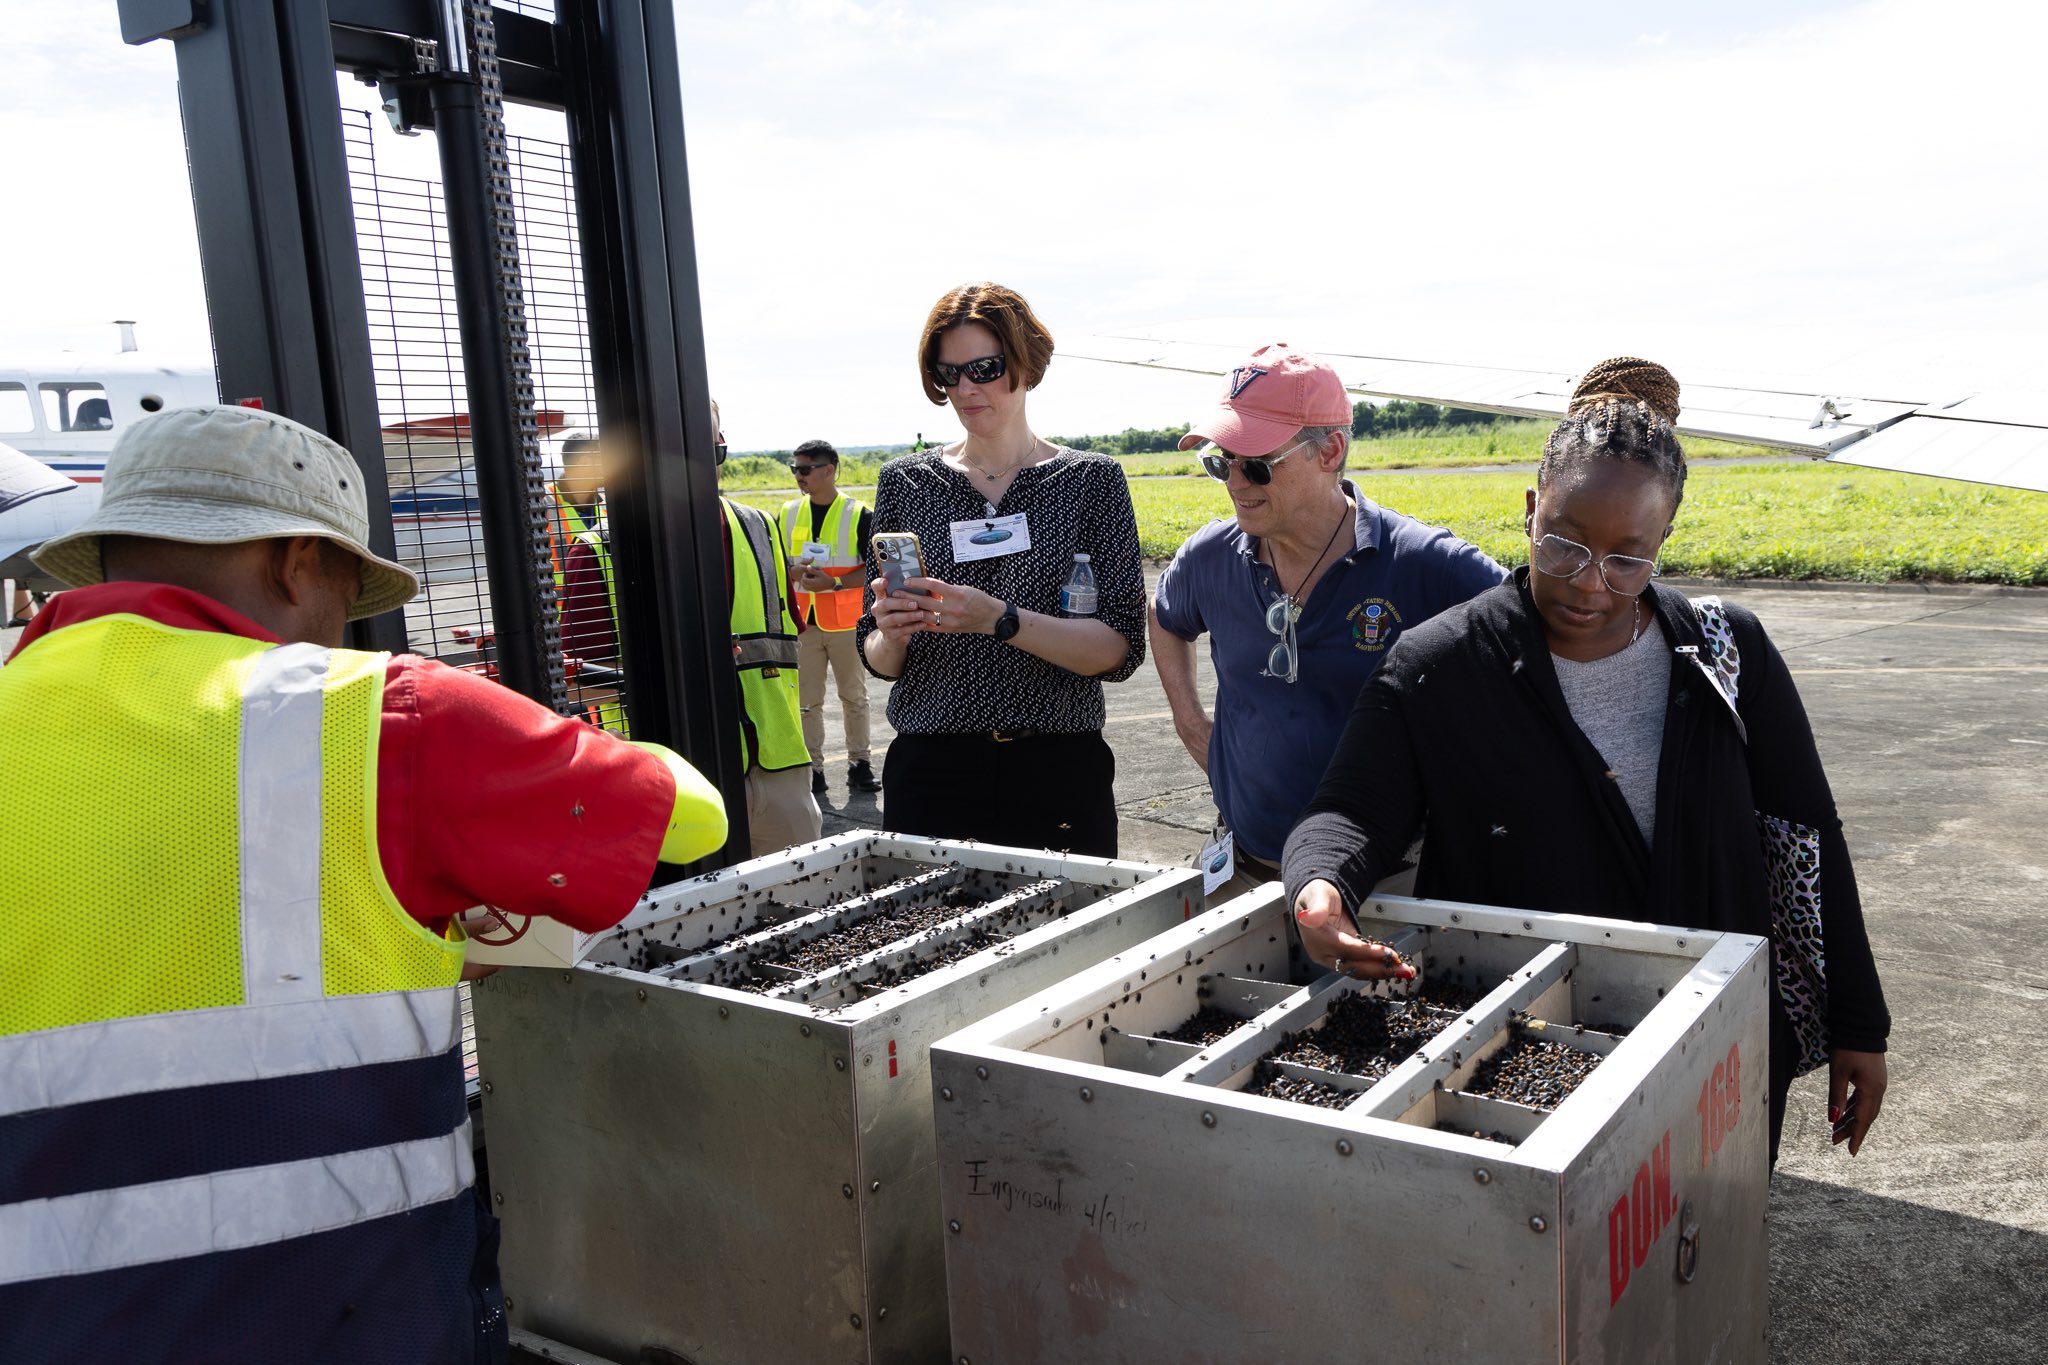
(1618, 703)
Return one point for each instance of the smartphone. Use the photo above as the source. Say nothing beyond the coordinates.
(898, 557)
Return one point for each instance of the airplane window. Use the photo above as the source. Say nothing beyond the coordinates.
(77, 407)
(16, 416)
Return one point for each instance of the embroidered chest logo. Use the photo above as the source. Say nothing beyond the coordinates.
(1374, 623)
(1241, 378)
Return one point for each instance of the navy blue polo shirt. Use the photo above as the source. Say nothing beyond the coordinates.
(1272, 738)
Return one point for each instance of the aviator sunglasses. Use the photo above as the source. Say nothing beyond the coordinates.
(985, 370)
(1258, 469)
(1283, 661)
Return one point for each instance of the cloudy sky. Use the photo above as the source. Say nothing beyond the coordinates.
(1847, 194)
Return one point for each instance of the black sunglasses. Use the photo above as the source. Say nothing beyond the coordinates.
(802, 469)
(986, 370)
(1258, 469)
(718, 452)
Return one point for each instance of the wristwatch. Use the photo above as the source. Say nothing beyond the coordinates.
(1007, 624)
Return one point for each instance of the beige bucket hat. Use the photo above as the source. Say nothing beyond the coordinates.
(224, 475)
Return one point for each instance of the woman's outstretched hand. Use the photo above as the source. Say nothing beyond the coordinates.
(1331, 937)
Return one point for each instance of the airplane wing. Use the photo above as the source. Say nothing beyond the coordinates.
(1983, 438)
(25, 519)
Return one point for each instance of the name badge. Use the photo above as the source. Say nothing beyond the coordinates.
(1218, 861)
(816, 551)
(991, 538)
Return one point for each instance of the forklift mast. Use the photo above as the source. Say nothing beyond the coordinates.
(446, 327)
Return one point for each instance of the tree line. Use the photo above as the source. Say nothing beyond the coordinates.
(1397, 416)
(1368, 420)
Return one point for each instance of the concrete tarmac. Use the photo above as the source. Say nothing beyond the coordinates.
(1931, 710)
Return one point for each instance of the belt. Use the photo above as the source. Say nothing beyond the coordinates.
(1266, 870)
(1011, 736)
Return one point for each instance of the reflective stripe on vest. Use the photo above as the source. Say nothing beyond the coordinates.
(226, 1210)
(132, 1107)
(841, 608)
(757, 564)
(115, 1057)
(772, 729)
(279, 800)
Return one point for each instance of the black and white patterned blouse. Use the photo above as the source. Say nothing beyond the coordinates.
(1075, 501)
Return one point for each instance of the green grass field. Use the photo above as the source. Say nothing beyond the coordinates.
(1781, 521)
(1514, 442)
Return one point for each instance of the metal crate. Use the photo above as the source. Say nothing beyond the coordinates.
(701, 1142)
(1113, 1195)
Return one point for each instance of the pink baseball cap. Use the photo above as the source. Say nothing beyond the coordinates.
(1276, 392)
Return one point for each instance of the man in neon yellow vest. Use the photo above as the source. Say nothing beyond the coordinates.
(582, 558)
(780, 807)
(231, 1086)
(825, 534)
(587, 596)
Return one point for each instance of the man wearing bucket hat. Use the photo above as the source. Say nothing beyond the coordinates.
(231, 1094)
(1301, 593)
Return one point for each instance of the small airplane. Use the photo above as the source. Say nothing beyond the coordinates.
(62, 410)
(1980, 438)
(29, 514)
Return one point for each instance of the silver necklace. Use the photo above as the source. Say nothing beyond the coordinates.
(993, 476)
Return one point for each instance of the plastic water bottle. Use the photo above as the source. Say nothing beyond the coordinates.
(1077, 598)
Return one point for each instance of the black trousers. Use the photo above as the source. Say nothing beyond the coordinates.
(1037, 791)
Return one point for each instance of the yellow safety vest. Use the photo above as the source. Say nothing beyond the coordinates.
(840, 609)
(772, 728)
(194, 917)
(568, 525)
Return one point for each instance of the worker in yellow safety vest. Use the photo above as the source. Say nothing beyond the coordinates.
(586, 593)
(826, 536)
(780, 808)
(231, 1078)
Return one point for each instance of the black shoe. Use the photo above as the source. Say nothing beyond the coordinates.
(861, 777)
(817, 781)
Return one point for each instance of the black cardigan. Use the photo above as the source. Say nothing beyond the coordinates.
(1464, 735)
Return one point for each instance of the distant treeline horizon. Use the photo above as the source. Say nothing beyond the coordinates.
(1368, 420)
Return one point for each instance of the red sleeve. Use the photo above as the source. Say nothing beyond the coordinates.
(484, 797)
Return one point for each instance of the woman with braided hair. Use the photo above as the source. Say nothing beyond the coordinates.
(1563, 743)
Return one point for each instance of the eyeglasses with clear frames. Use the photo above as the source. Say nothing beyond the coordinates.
(1626, 575)
(1283, 661)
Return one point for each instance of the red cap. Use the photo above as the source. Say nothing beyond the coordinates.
(1276, 392)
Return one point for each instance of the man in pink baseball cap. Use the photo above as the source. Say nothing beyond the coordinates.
(1301, 593)
(1268, 400)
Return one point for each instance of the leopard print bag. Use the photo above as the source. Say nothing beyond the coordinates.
(1793, 853)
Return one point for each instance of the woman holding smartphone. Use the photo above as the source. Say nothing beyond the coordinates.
(997, 696)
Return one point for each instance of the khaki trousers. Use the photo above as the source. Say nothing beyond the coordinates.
(815, 649)
(780, 810)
